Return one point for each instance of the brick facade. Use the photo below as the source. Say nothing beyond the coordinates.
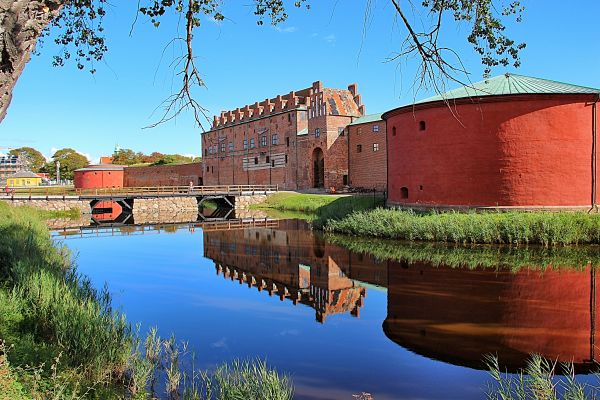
(296, 141)
(367, 153)
(163, 175)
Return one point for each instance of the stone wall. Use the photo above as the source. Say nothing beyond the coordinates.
(53, 205)
(165, 209)
(244, 202)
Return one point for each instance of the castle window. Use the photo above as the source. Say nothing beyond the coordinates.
(422, 125)
(207, 168)
(255, 160)
(245, 144)
(287, 141)
(376, 128)
(359, 148)
(404, 192)
(375, 146)
(267, 159)
(231, 147)
(274, 139)
(289, 117)
(359, 131)
(205, 152)
(252, 143)
(272, 163)
(223, 147)
(263, 141)
(286, 159)
(317, 132)
(393, 131)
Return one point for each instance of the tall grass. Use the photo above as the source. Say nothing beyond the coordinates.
(65, 340)
(538, 381)
(493, 227)
(472, 255)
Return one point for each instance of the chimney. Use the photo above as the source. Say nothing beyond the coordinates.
(353, 88)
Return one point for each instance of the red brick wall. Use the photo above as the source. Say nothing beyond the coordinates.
(163, 175)
(506, 151)
(290, 160)
(98, 179)
(511, 314)
(367, 169)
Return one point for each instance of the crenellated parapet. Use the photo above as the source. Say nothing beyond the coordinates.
(280, 103)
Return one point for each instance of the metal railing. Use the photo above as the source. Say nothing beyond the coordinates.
(50, 191)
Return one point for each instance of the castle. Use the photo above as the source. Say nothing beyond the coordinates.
(297, 141)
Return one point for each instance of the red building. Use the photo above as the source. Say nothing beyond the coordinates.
(367, 153)
(99, 176)
(296, 141)
(510, 141)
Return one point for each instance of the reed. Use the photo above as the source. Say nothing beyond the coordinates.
(539, 380)
(472, 256)
(66, 342)
(545, 228)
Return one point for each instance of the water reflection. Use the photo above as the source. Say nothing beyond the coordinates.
(295, 264)
(455, 315)
(409, 320)
(459, 315)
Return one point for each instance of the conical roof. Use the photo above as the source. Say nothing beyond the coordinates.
(511, 84)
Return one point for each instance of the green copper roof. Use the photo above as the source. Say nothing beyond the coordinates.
(508, 84)
(366, 119)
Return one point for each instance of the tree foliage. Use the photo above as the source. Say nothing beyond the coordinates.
(69, 159)
(32, 159)
(82, 37)
(130, 157)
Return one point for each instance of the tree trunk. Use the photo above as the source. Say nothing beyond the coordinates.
(21, 24)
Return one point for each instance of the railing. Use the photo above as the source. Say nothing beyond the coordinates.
(63, 191)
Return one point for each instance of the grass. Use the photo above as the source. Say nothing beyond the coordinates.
(514, 228)
(60, 336)
(453, 255)
(319, 208)
(538, 381)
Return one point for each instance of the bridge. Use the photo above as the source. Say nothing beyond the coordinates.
(66, 192)
(125, 197)
(119, 229)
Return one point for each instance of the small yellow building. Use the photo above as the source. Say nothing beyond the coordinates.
(23, 178)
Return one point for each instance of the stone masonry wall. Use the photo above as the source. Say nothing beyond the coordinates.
(53, 205)
(243, 202)
(173, 209)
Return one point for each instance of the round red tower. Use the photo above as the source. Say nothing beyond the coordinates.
(99, 176)
(511, 141)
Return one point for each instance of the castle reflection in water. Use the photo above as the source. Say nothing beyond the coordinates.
(455, 315)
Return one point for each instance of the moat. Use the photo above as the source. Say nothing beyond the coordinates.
(341, 322)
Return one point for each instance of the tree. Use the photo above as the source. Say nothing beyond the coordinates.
(127, 157)
(81, 37)
(70, 160)
(33, 159)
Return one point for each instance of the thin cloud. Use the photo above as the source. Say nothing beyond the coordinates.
(287, 29)
(330, 39)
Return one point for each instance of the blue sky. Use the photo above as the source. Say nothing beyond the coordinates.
(242, 63)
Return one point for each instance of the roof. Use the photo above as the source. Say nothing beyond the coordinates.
(101, 167)
(367, 118)
(340, 102)
(511, 84)
(24, 174)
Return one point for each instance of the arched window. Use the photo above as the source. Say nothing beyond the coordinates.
(404, 192)
(393, 131)
(422, 125)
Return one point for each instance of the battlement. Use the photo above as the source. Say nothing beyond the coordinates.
(339, 105)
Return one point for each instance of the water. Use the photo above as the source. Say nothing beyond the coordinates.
(340, 323)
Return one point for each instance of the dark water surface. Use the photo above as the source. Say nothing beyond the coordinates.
(341, 323)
